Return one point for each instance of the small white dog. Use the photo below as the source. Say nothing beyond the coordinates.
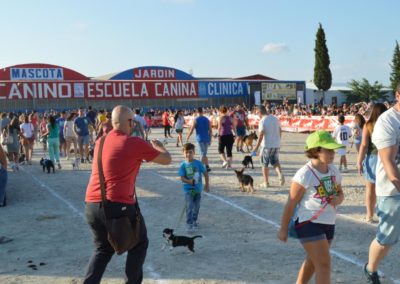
(76, 163)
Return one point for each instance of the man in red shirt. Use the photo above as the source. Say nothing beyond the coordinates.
(166, 124)
(121, 159)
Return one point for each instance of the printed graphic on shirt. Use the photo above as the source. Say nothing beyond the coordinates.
(326, 188)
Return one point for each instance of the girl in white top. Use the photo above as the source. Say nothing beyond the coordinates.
(316, 191)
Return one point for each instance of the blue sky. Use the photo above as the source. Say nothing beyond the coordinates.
(211, 38)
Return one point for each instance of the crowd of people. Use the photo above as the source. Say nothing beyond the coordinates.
(315, 190)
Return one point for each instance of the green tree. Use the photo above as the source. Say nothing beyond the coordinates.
(322, 73)
(363, 91)
(395, 74)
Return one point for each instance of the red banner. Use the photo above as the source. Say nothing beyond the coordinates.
(95, 90)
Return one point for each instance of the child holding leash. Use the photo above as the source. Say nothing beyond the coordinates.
(316, 191)
(191, 172)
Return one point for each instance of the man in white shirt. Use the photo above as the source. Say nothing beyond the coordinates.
(342, 134)
(386, 137)
(269, 133)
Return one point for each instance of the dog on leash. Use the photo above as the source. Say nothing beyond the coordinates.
(47, 165)
(248, 140)
(76, 164)
(245, 181)
(178, 241)
(247, 160)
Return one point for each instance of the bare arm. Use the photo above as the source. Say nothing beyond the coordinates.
(363, 149)
(388, 156)
(191, 129)
(207, 182)
(3, 158)
(295, 195)
(259, 140)
(164, 158)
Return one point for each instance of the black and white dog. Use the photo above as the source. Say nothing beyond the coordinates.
(47, 164)
(178, 241)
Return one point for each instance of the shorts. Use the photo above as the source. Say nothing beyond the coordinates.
(62, 139)
(83, 140)
(388, 211)
(270, 156)
(241, 131)
(369, 167)
(179, 130)
(341, 151)
(28, 141)
(203, 147)
(311, 232)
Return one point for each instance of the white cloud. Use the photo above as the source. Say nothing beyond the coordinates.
(275, 47)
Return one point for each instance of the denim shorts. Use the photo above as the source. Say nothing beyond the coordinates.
(369, 167)
(203, 147)
(241, 131)
(388, 211)
(83, 140)
(270, 156)
(311, 232)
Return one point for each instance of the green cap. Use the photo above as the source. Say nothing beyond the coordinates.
(323, 139)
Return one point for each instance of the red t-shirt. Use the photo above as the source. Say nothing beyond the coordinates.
(165, 118)
(122, 157)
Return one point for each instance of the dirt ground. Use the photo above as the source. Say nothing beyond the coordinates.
(45, 219)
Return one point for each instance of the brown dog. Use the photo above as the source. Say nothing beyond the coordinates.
(248, 140)
(245, 181)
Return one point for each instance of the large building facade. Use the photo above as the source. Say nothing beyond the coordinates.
(45, 86)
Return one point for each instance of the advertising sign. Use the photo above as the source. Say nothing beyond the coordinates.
(278, 91)
(212, 89)
(153, 73)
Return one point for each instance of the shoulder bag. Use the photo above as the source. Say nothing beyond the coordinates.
(122, 234)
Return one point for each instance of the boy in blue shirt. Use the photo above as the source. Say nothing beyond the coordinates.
(191, 171)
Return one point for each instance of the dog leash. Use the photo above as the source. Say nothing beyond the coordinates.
(180, 216)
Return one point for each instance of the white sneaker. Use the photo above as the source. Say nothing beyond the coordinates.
(224, 164)
(265, 185)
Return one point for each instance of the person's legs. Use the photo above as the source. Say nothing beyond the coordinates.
(265, 172)
(80, 143)
(388, 233)
(318, 253)
(57, 150)
(68, 147)
(229, 145)
(135, 258)
(3, 184)
(370, 199)
(376, 253)
(165, 131)
(196, 209)
(103, 250)
(50, 147)
(189, 210)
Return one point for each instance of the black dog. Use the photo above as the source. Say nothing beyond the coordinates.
(47, 164)
(247, 161)
(245, 181)
(21, 158)
(177, 241)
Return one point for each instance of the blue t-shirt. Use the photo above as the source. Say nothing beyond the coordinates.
(202, 127)
(61, 122)
(82, 126)
(190, 170)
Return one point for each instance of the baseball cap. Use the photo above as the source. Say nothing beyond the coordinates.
(323, 139)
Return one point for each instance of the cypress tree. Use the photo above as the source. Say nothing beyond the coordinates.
(322, 73)
(395, 74)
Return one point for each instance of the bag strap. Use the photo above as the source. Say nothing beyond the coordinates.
(316, 215)
(100, 170)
